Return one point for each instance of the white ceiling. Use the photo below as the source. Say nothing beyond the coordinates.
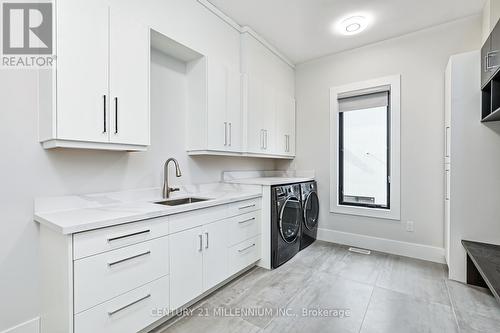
(301, 29)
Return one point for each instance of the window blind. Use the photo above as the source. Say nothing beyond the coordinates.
(364, 99)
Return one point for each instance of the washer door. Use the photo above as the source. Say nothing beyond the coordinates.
(311, 211)
(290, 219)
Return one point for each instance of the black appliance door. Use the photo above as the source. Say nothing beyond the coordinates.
(290, 219)
(311, 211)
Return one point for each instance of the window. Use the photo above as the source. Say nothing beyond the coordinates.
(365, 148)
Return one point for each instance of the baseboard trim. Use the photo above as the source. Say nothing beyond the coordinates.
(30, 326)
(412, 250)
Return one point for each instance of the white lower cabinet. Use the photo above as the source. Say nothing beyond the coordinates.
(127, 313)
(124, 278)
(214, 254)
(107, 275)
(200, 258)
(243, 254)
(186, 262)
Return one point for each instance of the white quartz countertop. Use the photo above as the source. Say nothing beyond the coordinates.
(270, 181)
(73, 219)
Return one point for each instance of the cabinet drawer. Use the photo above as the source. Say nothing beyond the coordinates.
(244, 254)
(246, 206)
(243, 227)
(184, 221)
(104, 276)
(126, 313)
(106, 239)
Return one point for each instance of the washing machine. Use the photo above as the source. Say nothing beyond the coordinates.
(286, 223)
(310, 214)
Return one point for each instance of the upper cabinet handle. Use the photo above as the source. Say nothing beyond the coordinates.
(104, 108)
(116, 115)
(225, 133)
(487, 61)
(230, 134)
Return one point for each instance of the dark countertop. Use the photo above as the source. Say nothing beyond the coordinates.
(486, 258)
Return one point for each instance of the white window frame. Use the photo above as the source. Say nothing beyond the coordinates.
(394, 213)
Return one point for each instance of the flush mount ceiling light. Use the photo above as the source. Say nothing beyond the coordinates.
(353, 24)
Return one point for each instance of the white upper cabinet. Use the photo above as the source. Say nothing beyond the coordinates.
(260, 116)
(82, 72)
(268, 102)
(224, 108)
(285, 124)
(129, 57)
(100, 83)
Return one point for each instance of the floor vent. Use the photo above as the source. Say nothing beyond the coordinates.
(362, 251)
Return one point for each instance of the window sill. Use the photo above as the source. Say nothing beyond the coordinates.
(388, 214)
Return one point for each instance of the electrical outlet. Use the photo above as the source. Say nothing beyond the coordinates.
(410, 226)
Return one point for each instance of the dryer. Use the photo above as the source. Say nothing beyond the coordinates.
(310, 213)
(286, 223)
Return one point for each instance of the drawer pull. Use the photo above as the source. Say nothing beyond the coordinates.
(246, 248)
(129, 235)
(129, 258)
(110, 313)
(249, 206)
(247, 220)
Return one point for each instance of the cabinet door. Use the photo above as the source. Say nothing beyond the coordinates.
(494, 54)
(261, 114)
(215, 254)
(82, 70)
(269, 120)
(233, 110)
(186, 266)
(218, 126)
(255, 106)
(485, 67)
(285, 124)
(129, 78)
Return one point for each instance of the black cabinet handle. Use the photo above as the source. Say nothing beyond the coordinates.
(105, 125)
(116, 115)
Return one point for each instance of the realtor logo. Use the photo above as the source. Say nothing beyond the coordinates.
(27, 30)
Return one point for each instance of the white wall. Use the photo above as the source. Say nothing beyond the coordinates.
(28, 171)
(421, 60)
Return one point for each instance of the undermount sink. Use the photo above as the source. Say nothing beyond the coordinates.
(182, 201)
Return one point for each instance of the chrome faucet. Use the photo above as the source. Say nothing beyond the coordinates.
(166, 189)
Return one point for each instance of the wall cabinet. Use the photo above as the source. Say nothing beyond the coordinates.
(92, 102)
(224, 108)
(261, 117)
(268, 100)
(270, 118)
(285, 125)
(490, 79)
(247, 111)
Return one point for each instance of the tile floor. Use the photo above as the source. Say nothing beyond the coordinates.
(326, 288)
